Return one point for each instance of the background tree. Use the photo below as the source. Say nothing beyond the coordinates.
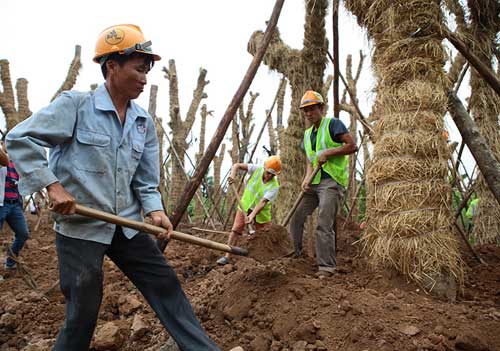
(15, 115)
(199, 212)
(180, 128)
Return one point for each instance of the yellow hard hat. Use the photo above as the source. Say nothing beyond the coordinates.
(273, 165)
(123, 39)
(311, 97)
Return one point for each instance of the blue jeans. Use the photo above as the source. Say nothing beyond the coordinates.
(81, 277)
(12, 212)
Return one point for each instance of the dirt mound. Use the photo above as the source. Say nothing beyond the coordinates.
(272, 304)
(268, 244)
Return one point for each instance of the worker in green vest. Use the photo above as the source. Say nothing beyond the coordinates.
(261, 190)
(471, 213)
(326, 143)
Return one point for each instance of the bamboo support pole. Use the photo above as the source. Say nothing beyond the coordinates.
(336, 69)
(461, 78)
(299, 198)
(152, 229)
(217, 195)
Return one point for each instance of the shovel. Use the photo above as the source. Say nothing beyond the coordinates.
(251, 229)
(299, 198)
(152, 229)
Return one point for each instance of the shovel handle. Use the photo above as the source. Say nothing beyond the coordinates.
(235, 191)
(152, 229)
(299, 198)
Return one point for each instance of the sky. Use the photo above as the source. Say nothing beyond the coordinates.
(39, 39)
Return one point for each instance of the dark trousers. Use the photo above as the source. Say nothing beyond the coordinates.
(81, 275)
(12, 213)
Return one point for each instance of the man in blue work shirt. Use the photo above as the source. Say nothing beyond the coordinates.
(104, 154)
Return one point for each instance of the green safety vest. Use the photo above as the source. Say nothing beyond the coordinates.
(335, 166)
(255, 191)
(472, 210)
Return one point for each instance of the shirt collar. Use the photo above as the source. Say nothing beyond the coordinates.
(103, 102)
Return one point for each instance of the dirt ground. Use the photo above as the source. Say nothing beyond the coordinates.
(261, 304)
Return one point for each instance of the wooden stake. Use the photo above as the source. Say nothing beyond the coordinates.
(336, 69)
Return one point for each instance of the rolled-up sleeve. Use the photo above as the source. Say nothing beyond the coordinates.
(26, 142)
(146, 179)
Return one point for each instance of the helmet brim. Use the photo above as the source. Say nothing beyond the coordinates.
(155, 56)
(310, 104)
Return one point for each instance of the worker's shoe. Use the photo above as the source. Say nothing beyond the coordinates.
(223, 261)
(323, 274)
(9, 264)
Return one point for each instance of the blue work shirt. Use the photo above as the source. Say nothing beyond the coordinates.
(101, 163)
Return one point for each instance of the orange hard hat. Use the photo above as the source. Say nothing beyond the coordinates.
(311, 97)
(445, 134)
(273, 165)
(123, 39)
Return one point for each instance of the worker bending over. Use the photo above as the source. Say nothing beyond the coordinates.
(261, 190)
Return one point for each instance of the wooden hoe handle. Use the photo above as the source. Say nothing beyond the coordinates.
(152, 229)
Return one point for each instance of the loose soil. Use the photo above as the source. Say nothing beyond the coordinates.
(265, 301)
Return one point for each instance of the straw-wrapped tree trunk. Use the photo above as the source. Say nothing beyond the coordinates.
(409, 222)
(485, 109)
(181, 128)
(199, 212)
(304, 70)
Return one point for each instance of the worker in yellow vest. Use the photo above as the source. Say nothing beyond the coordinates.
(261, 190)
(326, 143)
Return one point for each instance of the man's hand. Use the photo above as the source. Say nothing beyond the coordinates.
(230, 180)
(250, 218)
(322, 158)
(61, 201)
(160, 219)
(305, 184)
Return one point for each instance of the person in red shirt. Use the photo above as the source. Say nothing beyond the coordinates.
(11, 206)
